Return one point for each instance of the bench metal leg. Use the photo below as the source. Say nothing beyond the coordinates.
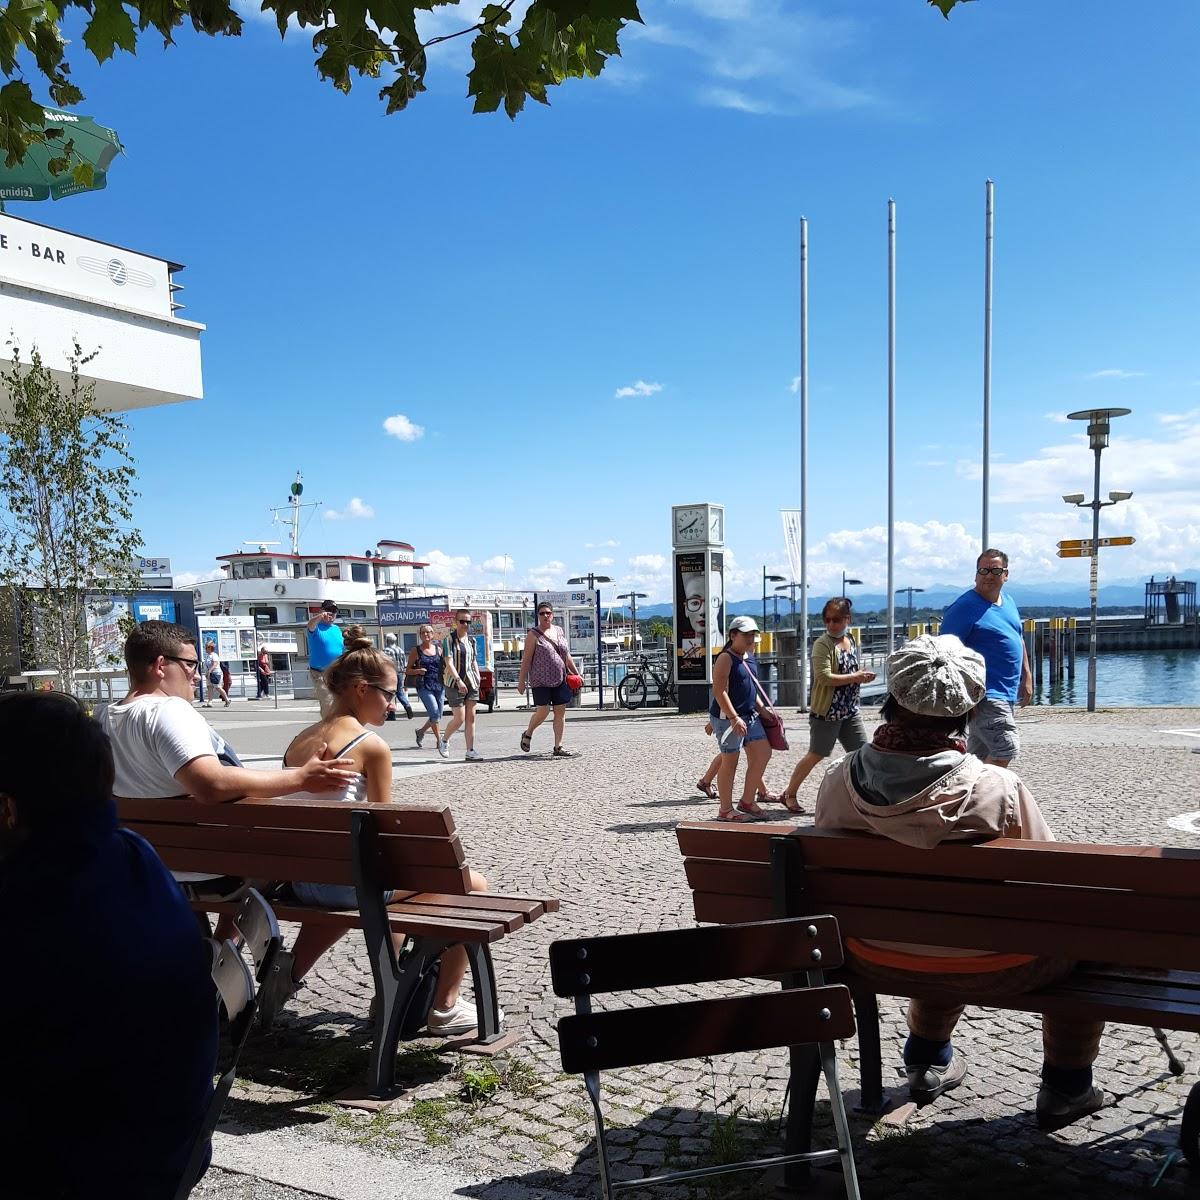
(841, 1125)
(870, 1056)
(487, 1005)
(804, 1069)
(395, 988)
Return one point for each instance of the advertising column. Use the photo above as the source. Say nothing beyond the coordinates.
(698, 576)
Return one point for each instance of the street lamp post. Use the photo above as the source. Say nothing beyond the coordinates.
(633, 598)
(768, 579)
(909, 590)
(1098, 427)
(592, 579)
(846, 581)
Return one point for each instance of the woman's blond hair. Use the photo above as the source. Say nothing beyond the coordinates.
(360, 660)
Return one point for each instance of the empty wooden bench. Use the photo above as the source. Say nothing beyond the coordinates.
(414, 852)
(1130, 916)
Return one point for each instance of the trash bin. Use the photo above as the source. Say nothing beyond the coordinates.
(487, 689)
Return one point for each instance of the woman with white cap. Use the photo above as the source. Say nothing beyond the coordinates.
(916, 784)
(735, 715)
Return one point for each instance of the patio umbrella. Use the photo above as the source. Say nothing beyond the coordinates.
(31, 179)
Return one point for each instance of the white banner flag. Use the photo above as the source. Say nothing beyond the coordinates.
(791, 538)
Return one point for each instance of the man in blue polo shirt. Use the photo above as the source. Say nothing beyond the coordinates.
(325, 643)
(987, 621)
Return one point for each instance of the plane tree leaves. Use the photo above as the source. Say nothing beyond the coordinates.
(557, 40)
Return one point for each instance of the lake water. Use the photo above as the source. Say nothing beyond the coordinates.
(1130, 679)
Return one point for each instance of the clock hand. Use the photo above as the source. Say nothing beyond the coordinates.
(688, 526)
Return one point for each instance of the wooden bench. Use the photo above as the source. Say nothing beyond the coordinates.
(414, 852)
(1130, 916)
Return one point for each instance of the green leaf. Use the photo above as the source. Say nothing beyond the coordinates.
(494, 15)
(944, 6)
(109, 30)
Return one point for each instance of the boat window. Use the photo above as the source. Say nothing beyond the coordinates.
(360, 572)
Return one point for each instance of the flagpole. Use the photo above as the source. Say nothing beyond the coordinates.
(802, 641)
(987, 355)
(891, 423)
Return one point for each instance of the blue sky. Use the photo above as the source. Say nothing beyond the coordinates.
(499, 284)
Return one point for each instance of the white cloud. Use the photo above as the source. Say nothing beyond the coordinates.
(603, 562)
(641, 388)
(794, 386)
(648, 562)
(356, 510)
(187, 579)
(725, 97)
(607, 544)
(446, 568)
(549, 575)
(1115, 373)
(754, 57)
(1059, 418)
(498, 563)
(403, 429)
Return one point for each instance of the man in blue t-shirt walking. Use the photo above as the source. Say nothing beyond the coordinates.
(325, 643)
(987, 621)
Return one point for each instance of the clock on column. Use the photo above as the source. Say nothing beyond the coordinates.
(697, 525)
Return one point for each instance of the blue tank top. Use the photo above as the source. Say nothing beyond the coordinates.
(742, 692)
(431, 681)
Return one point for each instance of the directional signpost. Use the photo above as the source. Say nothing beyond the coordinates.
(1082, 547)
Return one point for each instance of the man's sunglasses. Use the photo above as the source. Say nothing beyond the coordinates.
(465, 621)
(188, 664)
(992, 571)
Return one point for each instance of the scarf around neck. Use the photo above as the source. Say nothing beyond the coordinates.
(902, 738)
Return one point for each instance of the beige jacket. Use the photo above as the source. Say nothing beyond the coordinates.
(970, 801)
(946, 797)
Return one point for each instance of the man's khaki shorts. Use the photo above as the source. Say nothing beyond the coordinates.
(992, 732)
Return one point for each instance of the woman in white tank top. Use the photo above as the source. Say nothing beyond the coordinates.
(363, 685)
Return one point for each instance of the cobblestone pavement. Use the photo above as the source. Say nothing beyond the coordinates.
(598, 832)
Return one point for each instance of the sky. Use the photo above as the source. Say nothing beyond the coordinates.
(516, 344)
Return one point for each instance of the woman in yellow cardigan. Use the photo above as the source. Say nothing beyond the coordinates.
(833, 712)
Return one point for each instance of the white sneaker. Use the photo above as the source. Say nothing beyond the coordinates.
(472, 756)
(443, 749)
(459, 1018)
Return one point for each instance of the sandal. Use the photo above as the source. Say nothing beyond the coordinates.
(766, 797)
(734, 815)
(791, 803)
(560, 752)
(707, 789)
(526, 742)
(752, 812)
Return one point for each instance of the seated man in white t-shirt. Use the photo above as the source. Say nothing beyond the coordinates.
(163, 747)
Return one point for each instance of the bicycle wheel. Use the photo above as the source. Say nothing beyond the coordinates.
(631, 691)
(666, 692)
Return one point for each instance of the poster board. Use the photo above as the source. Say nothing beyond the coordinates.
(698, 612)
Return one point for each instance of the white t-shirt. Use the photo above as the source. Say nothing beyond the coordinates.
(212, 665)
(152, 737)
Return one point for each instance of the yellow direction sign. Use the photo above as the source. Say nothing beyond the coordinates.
(1085, 544)
(1075, 552)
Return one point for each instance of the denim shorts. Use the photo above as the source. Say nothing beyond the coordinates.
(433, 699)
(330, 895)
(732, 743)
(992, 732)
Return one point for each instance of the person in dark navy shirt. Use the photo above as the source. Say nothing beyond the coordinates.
(108, 1016)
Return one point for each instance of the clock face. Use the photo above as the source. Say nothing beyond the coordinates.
(716, 525)
(689, 526)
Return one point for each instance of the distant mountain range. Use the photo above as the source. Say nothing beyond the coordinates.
(1121, 593)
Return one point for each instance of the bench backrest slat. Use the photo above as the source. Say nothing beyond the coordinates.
(289, 813)
(416, 849)
(1130, 905)
(635, 1036)
(621, 962)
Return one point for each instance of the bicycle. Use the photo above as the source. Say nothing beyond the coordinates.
(633, 690)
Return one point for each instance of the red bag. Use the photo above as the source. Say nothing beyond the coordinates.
(574, 682)
(771, 720)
